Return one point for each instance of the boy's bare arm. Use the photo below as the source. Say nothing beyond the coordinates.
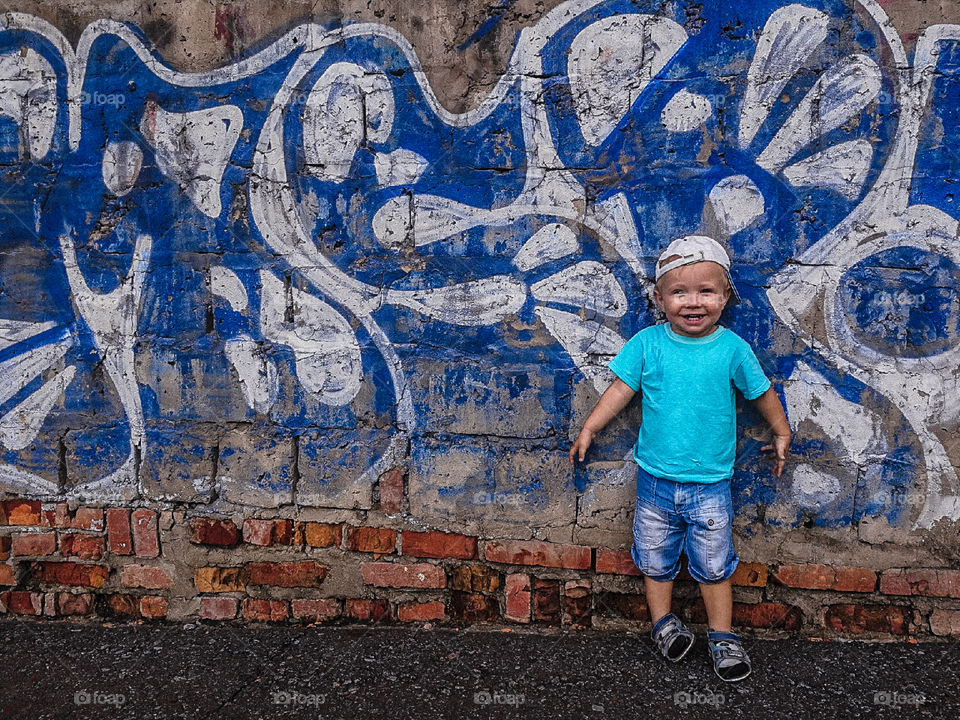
(769, 406)
(613, 400)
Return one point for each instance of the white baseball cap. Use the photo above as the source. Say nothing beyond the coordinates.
(693, 249)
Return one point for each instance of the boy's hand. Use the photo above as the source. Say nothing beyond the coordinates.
(781, 445)
(581, 444)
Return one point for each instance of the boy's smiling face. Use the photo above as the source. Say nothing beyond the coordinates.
(692, 297)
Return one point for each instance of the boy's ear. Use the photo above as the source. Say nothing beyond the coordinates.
(656, 297)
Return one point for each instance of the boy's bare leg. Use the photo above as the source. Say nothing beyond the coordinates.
(659, 595)
(718, 600)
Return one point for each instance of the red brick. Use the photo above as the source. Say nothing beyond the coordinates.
(857, 619)
(218, 608)
(307, 573)
(75, 603)
(577, 601)
(537, 552)
(391, 491)
(4, 547)
(266, 610)
(70, 573)
(283, 532)
(22, 602)
(363, 609)
(421, 612)
(86, 547)
(258, 532)
(88, 518)
(219, 579)
(315, 610)
(322, 534)
(616, 562)
(44, 543)
(769, 615)
(55, 515)
(624, 605)
(22, 512)
(945, 623)
(7, 576)
(119, 605)
(119, 538)
(210, 531)
(825, 577)
(438, 545)
(546, 601)
(50, 604)
(145, 576)
(475, 578)
(473, 607)
(750, 575)
(374, 540)
(146, 541)
(153, 607)
(929, 582)
(518, 598)
(421, 575)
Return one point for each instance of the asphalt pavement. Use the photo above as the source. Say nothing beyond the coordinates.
(58, 669)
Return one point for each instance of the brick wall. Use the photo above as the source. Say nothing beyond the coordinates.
(133, 564)
(300, 311)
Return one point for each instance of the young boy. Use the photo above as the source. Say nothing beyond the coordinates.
(686, 370)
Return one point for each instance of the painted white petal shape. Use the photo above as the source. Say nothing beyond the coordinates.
(325, 348)
(17, 372)
(193, 149)
(28, 96)
(611, 62)
(810, 397)
(736, 203)
(842, 167)
(14, 331)
(620, 230)
(812, 488)
(685, 111)
(225, 283)
(789, 37)
(838, 95)
(551, 242)
(590, 345)
(400, 167)
(346, 105)
(478, 302)
(121, 166)
(424, 218)
(587, 284)
(259, 380)
(20, 426)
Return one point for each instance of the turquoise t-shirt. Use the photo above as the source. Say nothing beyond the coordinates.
(688, 432)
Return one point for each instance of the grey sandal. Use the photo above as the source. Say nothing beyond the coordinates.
(730, 660)
(672, 637)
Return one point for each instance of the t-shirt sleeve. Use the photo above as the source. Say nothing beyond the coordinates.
(749, 376)
(628, 363)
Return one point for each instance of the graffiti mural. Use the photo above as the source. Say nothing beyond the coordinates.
(269, 283)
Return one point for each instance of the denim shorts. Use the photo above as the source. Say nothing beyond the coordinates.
(671, 517)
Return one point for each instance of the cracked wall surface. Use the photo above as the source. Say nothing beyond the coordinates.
(253, 261)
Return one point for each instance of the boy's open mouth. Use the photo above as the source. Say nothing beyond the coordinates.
(693, 318)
